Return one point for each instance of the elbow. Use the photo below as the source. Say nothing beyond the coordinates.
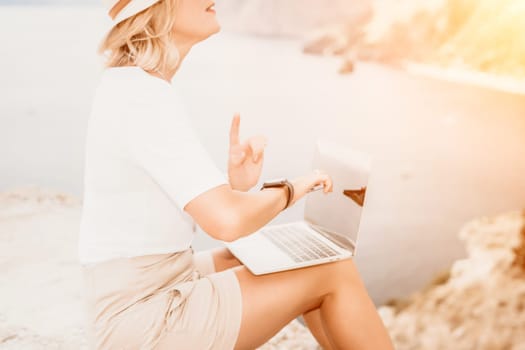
(231, 227)
(228, 226)
(228, 238)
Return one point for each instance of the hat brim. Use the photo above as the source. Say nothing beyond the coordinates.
(132, 9)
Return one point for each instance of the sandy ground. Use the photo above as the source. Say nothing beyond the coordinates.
(41, 303)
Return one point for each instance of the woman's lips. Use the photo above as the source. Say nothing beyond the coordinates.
(211, 8)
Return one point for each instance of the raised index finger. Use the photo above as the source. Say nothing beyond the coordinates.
(234, 130)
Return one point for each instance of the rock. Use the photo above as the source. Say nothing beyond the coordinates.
(326, 43)
(347, 67)
(482, 36)
(479, 303)
(22, 201)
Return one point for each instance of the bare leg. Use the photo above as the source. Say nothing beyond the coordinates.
(271, 301)
(315, 324)
(224, 259)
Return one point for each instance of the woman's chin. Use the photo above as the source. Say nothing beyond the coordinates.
(217, 28)
(214, 30)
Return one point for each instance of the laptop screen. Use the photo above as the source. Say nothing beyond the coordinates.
(338, 214)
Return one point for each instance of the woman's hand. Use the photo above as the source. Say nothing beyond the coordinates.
(305, 184)
(246, 159)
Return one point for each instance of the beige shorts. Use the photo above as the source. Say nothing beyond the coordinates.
(165, 301)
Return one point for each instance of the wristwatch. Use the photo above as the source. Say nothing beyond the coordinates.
(281, 182)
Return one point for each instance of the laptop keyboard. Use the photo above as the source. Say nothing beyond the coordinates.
(298, 243)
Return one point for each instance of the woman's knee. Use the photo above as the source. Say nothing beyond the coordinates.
(342, 273)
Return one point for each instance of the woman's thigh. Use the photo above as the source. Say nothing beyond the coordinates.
(209, 318)
(215, 260)
(271, 301)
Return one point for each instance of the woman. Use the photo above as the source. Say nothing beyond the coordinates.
(148, 181)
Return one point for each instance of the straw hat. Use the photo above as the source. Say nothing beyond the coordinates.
(119, 10)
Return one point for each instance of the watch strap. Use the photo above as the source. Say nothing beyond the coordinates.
(282, 183)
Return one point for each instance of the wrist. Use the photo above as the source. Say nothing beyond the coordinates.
(283, 200)
(240, 186)
(281, 183)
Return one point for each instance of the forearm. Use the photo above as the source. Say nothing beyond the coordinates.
(239, 187)
(255, 209)
(227, 214)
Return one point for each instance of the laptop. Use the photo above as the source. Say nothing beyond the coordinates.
(331, 221)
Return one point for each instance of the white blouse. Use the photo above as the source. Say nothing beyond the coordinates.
(143, 164)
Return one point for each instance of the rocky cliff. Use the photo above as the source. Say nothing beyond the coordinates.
(478, 303)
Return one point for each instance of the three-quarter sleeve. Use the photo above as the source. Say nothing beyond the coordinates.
(162, 141)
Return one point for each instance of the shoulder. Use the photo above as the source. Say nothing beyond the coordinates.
(141, 103)
(133, 83)
(132, 91)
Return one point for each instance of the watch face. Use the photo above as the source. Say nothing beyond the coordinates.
(278, 181)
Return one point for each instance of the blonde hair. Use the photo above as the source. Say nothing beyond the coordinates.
(144, 40)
